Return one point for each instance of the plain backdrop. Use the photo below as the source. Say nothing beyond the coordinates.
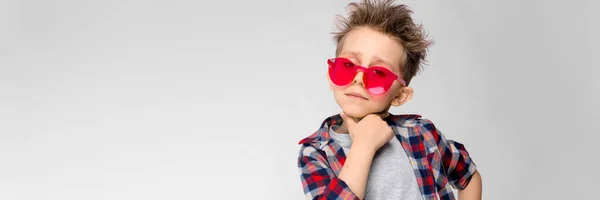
(166, 99)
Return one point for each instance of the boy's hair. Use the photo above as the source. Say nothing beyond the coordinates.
(392, 20)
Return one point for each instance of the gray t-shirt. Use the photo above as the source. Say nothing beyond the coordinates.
(391, 175)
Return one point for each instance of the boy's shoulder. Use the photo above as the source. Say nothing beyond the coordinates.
(321, 136)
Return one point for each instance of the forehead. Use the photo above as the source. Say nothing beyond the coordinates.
(368, 45)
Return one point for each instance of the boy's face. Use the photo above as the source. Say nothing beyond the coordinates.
(367, 47)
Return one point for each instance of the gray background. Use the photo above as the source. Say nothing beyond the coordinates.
(208, 99)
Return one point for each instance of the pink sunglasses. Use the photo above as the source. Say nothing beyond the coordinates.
(377, 79)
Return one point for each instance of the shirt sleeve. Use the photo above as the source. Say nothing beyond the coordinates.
(456, 160)
(318, 180)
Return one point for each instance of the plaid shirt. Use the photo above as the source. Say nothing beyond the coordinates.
(439, 164)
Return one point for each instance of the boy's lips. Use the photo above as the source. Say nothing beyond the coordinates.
(356, 95)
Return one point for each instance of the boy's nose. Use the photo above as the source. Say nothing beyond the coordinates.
(358, 78)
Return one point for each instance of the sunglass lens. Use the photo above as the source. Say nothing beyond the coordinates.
(342, 71)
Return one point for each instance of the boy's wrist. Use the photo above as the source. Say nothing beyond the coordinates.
(364, 147)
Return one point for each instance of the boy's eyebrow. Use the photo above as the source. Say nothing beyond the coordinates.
(376, 58)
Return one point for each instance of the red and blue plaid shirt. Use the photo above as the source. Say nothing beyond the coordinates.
(439, 164)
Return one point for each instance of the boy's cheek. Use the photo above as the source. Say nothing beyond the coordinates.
(331, 86)
(336, 88)
(381, 100)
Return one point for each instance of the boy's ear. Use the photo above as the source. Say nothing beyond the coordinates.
(403, 96)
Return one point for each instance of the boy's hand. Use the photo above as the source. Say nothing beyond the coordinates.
(371, 131)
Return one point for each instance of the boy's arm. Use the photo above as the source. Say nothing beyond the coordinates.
(473, 190)
(457, 163)
(356, 168)
(319, 181)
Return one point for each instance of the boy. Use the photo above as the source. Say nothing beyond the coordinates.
(365, 152)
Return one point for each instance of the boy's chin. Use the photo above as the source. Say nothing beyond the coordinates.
(359, 113)
(355, 113)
